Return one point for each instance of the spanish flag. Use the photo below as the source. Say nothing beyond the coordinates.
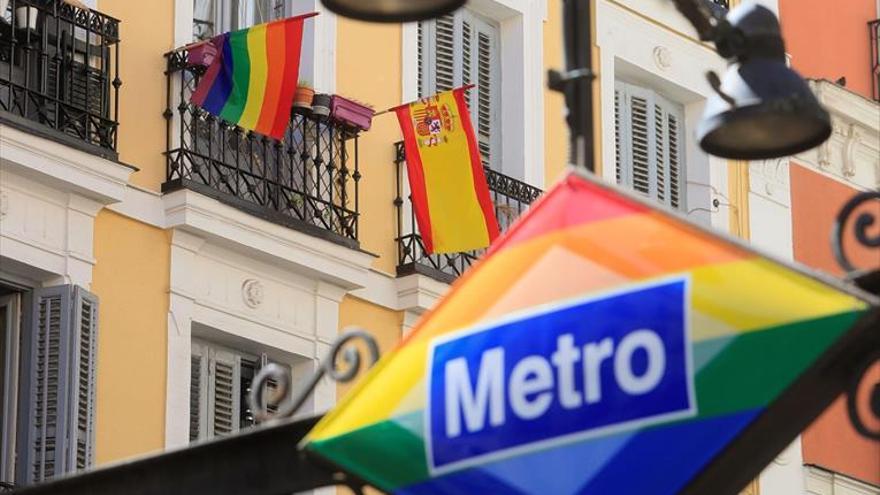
(253, 79)
(449, 192)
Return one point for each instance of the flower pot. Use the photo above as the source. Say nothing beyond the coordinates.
(203, 54)
(321, 105)
(303, 98)
(351, 113)
(26, 17)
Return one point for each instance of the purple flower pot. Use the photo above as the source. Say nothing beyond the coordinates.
(351, 113)
(203, 54)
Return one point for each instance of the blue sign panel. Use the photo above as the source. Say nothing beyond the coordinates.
(560, 373)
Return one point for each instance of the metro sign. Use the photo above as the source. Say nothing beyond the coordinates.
(603, 346)
(561, 373)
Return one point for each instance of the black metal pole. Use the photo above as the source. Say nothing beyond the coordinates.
(577, 81)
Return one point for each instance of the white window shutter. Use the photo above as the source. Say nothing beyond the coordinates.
(649, 149)
(59, 400)
(459, 49)
(484, 103)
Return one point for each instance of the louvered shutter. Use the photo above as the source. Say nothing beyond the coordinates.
(458, 49)
(223, 397)
(648, 144)
(59, 380)
(196, 391)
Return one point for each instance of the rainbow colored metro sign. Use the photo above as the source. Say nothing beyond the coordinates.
(600, 347)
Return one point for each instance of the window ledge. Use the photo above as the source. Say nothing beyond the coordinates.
(297, 251)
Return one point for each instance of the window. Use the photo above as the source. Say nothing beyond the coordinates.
(220, 381)
(49, 397)
(650, 148)
(213, 17)
(459, 49)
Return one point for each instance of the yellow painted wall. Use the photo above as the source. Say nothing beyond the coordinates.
(368, 69)
(384, 324)
(555, 129)
(556, 134)
(147, 32)
(131, 278)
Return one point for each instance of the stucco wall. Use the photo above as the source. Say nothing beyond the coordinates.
(131, 280)
(147, 30)
(830, 442)
(829, 39)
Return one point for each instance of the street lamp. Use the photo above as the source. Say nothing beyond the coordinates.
(393, 10)
(761, 108)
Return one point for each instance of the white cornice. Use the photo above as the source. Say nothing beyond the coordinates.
(852, 154)
(62, 167)
(227, 226)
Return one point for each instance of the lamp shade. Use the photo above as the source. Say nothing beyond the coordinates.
(763, 109)
(774, 114)
(393, 10)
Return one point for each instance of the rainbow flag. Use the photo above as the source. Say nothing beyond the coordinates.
(449, 192)
(252, 81)
(601, 346)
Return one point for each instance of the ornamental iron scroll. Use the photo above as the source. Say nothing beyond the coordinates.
(867, 280)
(275, 402)
(863, 222)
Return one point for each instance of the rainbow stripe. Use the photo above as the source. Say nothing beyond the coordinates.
(253, 80)
(756, 326)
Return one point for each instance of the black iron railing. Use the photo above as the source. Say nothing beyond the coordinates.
(59, 69)
(511, 197)
(307, 181)
(874, 29)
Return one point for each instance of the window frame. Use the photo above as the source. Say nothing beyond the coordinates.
(624, 164)
(9, 382)
(522, 133)
(209, 353)
(427, 71)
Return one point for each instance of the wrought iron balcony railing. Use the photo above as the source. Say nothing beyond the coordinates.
(59, 72)
(511, 198)
(721, 3)
(874, 32)
(307, 181)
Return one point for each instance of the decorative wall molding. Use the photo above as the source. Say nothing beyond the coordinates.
(852, 154)
(266, 241)
(823, 482)
(50, 195)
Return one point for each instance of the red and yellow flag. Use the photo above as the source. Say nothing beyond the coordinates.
(449, 192)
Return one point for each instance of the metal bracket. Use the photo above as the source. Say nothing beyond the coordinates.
(852, 400)
(262, 402)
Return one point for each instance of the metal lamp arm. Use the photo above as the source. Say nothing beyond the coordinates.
(701, 16)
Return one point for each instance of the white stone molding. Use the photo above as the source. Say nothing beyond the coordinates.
(852, 154)
(288, 248)
(50, 195)
(233, 294)
(61, 167)
(823, 482)
(648, 43)
(419, 293)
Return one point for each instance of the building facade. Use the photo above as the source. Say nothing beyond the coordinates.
(153, 259)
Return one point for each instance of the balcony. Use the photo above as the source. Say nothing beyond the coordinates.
(308, 181)
(874, 33)
(59, 73)
(511, 198)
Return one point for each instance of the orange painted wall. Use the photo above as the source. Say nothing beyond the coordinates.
(831, 442)
(829, 39)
